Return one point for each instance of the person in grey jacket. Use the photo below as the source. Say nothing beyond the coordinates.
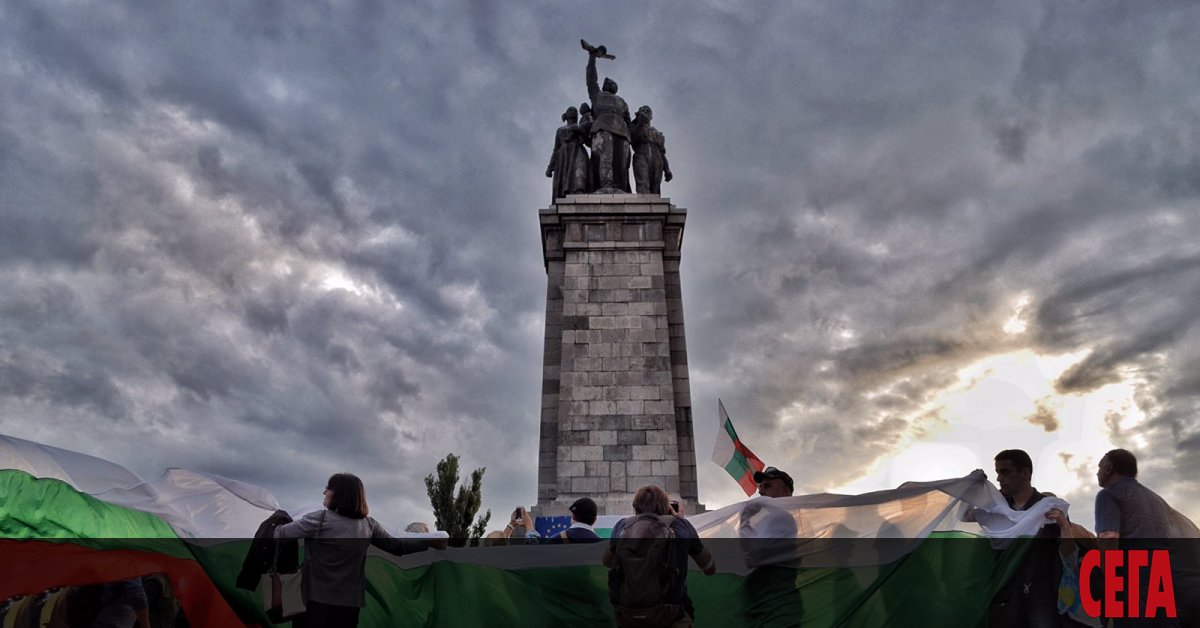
(336, 543)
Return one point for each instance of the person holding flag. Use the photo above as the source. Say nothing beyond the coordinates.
(767, 532)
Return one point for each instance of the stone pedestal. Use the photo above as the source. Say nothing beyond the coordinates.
(616, 403)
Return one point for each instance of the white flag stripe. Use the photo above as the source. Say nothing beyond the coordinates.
(723, 449)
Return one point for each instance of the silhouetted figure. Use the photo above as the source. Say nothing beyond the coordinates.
(649, 153)
(569, 165)
(609, 129)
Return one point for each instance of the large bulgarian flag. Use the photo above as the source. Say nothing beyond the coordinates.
(732, 454)
(891, 558)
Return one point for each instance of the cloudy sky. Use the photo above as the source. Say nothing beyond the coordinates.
(276, 240)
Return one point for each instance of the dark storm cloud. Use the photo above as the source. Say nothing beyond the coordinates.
(248, 234)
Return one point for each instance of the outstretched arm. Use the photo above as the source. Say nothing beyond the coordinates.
(593, 82)
(383, 540)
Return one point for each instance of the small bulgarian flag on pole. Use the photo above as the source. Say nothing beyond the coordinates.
(733, 455)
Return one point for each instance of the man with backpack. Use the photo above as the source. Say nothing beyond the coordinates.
(647, 560)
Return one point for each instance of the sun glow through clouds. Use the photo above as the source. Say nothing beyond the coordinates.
(1009, 401)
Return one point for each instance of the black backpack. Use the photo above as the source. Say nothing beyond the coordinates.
(643, 562)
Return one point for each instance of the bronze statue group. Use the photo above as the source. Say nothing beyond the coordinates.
(604, 127)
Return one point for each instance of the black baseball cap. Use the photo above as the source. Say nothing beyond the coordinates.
(773, 473)
(584, 509)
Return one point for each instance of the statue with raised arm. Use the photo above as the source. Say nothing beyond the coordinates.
(609, 129)
(649, 153)
(569, 166)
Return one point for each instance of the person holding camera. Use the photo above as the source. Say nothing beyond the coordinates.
(583, 517)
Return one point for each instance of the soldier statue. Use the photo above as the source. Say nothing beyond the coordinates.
(609, 128)
(649, 153)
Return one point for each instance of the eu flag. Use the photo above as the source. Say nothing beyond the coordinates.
(551, 526)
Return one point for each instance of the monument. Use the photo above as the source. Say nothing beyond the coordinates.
(616, 408)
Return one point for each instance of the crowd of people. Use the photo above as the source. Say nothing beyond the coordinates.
(647, 555)
(1128, 516)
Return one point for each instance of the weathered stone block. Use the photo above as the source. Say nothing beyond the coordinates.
(657, 378)
(581, 423)
(653, 422)
(649, 268)
(606, 322)
(616, 481)
(573, 437)
(617, 393)
(659, 407)
(659, 437)
(639, 282)
(586, 393)
(614, 309)
(602, 437)
(617, 453)
(638, 467)
(575, 296)
(589, 364)
(643, 393)
(596, 468)
(589, 485)
(570, 468)
(632, 437)
(584, 452)
(630, 407)
(601, 378)
(616, 422)
(630, 378)
(602, 407)
(650, 452)
(665, 468)
(573, 408)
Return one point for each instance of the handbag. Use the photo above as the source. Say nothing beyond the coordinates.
(284, 593)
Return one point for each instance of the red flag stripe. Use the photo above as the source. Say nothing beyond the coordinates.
(31, 567)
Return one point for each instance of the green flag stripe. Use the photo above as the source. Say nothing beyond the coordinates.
(729, 430)
(737, 466)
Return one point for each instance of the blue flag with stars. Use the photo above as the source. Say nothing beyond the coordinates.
(550, 526)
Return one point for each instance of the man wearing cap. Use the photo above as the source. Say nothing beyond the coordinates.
(769, 545)
(774, 483)
(583, 517)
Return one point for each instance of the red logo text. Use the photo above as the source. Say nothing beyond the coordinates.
(1159, 591)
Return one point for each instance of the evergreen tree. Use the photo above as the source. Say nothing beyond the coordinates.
(453, 511)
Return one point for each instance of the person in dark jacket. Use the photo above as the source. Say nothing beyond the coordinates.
(262, 552)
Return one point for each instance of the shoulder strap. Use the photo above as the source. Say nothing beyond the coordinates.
(320, 524)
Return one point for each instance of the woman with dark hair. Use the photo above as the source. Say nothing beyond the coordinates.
(336, 543)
